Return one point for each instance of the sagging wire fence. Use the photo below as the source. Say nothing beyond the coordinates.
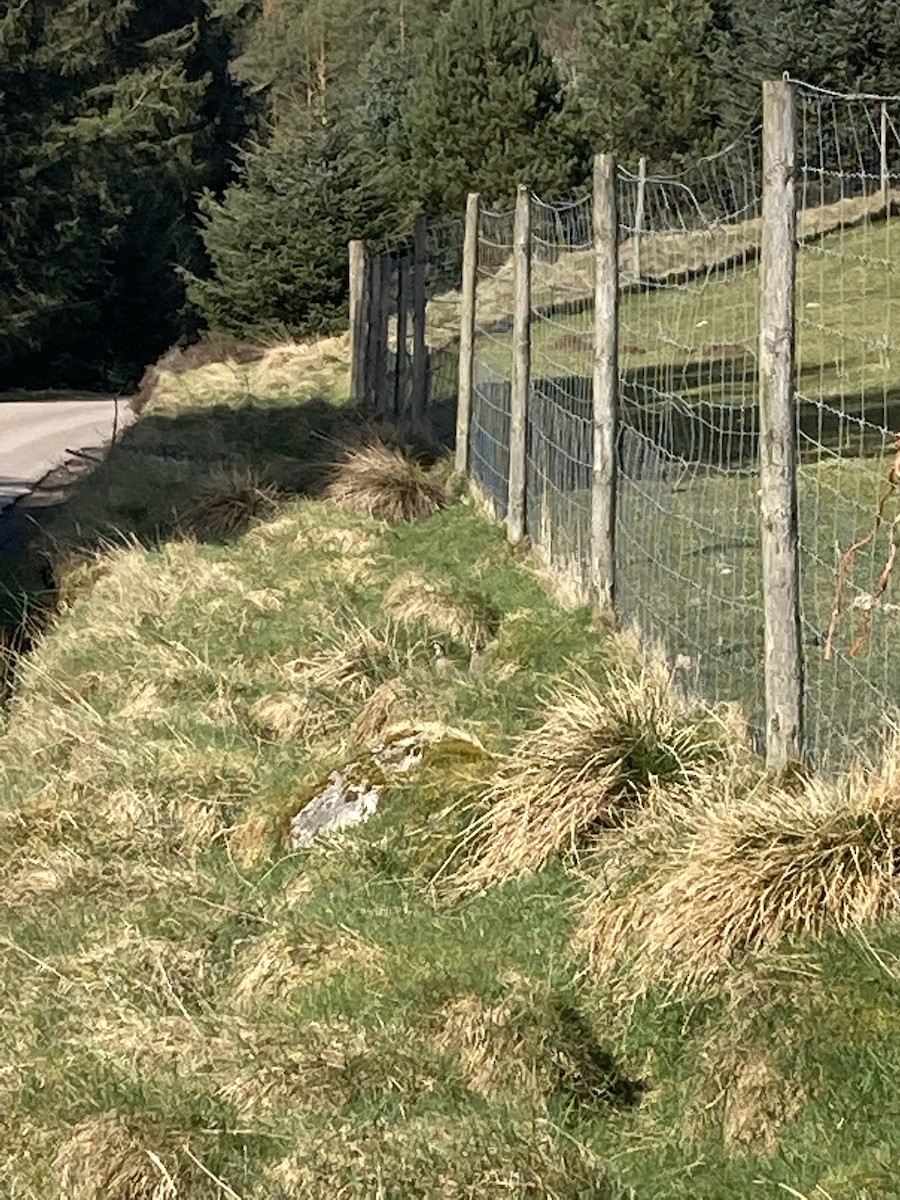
(696, 468)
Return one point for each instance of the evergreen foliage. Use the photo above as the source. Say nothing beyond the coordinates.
(120, 124)
(278, 239)
(488, 111)
(112, 117)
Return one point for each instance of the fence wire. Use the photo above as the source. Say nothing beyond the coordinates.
(688, 543)
(559, 425)
(688, 537)
(848, 391)
(491, 390)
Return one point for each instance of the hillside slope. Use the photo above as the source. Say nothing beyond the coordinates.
(466, 996)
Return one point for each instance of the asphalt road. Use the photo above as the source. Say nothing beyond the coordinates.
(35, 436)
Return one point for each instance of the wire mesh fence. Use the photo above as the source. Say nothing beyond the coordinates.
(688, 543)
(559, 425)
(688, 546)
(848, 395)
(491, 390)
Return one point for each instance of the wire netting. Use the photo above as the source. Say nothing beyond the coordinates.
(559, 424)
(492, 359)
(848, 393)
(688, 542)
(687, 534)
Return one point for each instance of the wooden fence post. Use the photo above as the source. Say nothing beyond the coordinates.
(358, 321)
(382, 323)
(778, 432)
(402, 371)
(521, 372)
(420, 349)
(372, 303)
(606, 383)
(467, 333)
(639, 217)
(885, 174)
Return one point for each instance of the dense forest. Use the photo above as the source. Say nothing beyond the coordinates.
(170, 165)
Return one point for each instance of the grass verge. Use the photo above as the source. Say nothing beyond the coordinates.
(190, 1010)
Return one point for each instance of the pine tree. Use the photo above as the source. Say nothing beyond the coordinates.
(652, 80)
(277, 242)
(487, 113)
(108, 114)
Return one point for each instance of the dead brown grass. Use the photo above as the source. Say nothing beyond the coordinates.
(280, 962)
(103, 1159)
(599, 753)
(228, 501)
(734, 878)
(381, 481)
(430, 1156)
(464, 615)
(522, 1045)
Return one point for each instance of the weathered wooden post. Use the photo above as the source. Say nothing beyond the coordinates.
(885, 173)
(420, 348)
(402, 371)
(604, 480)
(467, 333)
(778, 432)
(383, 322)
(521, 366)
(639, 217)
(358, 321)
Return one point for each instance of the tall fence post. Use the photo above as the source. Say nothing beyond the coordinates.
(885, 174)
(358, 321)
(521, 372)
(467, 333)
(639, 217)
(420, 349)
(778, 432)
(606, 382)
(402, 368)
(382, 322)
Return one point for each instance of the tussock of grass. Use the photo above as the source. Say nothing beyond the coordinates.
(380, 481)
(526, 1043)
(734, 878)
(104, 1160)
(597, 755)
(281, 962)
(428, 1157)
(464, 614)
(228, 501)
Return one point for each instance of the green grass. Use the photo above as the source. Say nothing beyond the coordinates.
(321, 1023)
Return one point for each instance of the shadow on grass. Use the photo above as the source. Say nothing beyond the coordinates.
(155, 485)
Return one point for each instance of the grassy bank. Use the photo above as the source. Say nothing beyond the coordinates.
(473, 994)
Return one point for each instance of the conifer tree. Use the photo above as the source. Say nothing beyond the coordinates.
(108, 114)
(487, 113)
(652, 82)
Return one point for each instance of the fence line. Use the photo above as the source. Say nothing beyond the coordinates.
(685, 337)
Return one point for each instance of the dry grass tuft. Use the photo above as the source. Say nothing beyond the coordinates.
(351, 664)
(530, 1045)
(598, 755)
(287, 716)
(429, 1156)
(388, 704)
(279, 963)
(465, 616)
(380, 481)
(734, 878)
(228, 501)
(103, 1160)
